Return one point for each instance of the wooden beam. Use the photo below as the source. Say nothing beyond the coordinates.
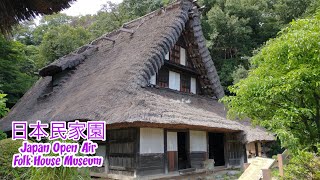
(180, 67)
(127, 30)
(109, 39)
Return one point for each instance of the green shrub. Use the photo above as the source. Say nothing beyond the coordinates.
(8, 148)
(303, 165)
(50, 173)
(3, 135)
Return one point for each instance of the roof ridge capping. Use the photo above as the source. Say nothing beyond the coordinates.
(76, 57)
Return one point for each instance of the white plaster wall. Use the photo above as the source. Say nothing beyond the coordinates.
(172, 141)
(151, 140)
(198, 141)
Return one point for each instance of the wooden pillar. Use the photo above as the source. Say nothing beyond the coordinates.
(266, 174)
(107, 152)
(165, 152)
(137, 153)
(226, 150)
(280, 165)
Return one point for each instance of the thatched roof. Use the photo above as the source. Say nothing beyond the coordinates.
(108, 80)
(13, 11)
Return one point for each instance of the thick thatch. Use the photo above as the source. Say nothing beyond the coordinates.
(13, 11)
(108, 79)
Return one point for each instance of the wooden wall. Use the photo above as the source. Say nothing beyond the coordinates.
(147, 151)
(122, 150)
(234, 150)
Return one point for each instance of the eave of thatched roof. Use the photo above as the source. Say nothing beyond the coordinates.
(108, 79)
(13, 11)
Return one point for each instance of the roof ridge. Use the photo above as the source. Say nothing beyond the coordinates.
(54, 67)
(170, 6)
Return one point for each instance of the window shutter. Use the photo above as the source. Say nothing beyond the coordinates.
(174, 80)
(167, 56)
(182, 56)
(193, 88)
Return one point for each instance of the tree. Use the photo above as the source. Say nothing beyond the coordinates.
(61, 40)
(3, 107)
(240, 73)
(16, 72)
(234, 29)
(282, 91)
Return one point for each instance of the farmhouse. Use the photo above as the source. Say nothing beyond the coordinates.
(153, 81)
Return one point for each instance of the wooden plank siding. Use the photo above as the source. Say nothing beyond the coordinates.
(234, 150)
(197, 159)
(121, 151)
(152, 163)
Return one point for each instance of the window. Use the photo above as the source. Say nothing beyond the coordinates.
(163, 78)
(167, 56)
(185, 83)
(153, 80)
(174, 80)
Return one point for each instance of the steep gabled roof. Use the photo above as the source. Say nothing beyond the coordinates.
(108, 79)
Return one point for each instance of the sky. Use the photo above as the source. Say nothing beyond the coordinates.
(84, 7)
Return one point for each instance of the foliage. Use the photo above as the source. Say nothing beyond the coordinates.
(226, 68)
(292, 9)
(303, 165)
(16, 71)
(274, 148)
(49, 173)
(239, 73)
(60, 41)
(2, 135)
(8, 148)
(282, 91)
(3, 108)
(236, 28)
